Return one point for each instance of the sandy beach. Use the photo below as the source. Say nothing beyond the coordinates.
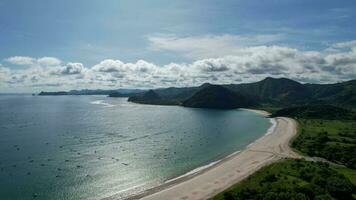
(207, 183)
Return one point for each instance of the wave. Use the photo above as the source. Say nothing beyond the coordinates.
(194, 171)
(101, 102)
(271, 129)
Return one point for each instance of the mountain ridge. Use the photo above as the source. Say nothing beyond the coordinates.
(275, 92)
(269, 92)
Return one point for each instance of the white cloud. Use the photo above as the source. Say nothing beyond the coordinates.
(20, 60)
(109, 65)
(348, 44)
(48, 61)
(4, 72)
(115, 66)
(246, 64)
(207, 46)
(341, 46)
(69, 69)
(29, 61)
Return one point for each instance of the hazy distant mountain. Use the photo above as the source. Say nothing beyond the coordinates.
(118, 94)
(60, 93)
(92, 92)
(217, 96)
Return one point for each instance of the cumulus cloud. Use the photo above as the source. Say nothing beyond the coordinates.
(69, 69)
(245, 64)
(109, 66)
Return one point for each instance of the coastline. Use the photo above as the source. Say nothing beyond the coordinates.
(217, 176)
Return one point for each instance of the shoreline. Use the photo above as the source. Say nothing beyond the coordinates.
(212, 179)
(198, 170)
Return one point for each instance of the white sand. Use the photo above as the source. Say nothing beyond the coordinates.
(270, 148)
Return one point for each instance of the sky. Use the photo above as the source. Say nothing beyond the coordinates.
(62, 45)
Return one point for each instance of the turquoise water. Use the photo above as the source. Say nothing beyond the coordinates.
(92, 147)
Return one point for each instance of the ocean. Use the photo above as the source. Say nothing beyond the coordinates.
(94, 147)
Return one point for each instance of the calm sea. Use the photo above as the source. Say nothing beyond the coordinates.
(92, 147)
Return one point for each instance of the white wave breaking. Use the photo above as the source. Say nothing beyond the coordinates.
(101, 102)
(273, 126)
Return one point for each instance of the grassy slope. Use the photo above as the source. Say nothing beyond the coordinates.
(339, 147)
(348, 173)
(292, 179)
(334, 140)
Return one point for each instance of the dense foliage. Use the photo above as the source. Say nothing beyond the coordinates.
(342, 94)
(317, 112)
(292, 179)
(216, 96)
(334, 140)
(325, 131)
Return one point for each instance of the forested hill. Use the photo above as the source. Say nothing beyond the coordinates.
(216, 96)
(278, 92)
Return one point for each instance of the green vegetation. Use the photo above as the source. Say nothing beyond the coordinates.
(217, 96)
(349, 173)
(275, 91)
(334, 140)
(325, 131)
(292, 179)
(341, 94)
(271, 92)
(316, 112)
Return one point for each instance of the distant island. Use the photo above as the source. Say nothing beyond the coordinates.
(112, 93)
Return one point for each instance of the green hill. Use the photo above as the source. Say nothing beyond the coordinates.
(216, 96)
(278, 92)
(275, 91)
(151, 97)
(342, 94)
(269, 92)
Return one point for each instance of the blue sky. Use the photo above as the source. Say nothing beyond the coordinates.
(162, 32)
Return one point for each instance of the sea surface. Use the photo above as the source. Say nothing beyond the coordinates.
(93, 147)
